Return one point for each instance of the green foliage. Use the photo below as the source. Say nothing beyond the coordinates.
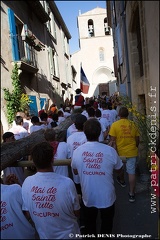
(147, 125)
(142, 121)
(16, 100)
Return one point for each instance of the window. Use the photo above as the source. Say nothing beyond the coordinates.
(106, 27)
(101, 54)
(51, 24)
(53, 62)
(21, 50)
(66, 45)
(90, 28)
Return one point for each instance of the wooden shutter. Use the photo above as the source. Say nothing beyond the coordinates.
(13, 35)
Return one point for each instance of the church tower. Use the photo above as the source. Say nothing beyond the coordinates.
(96, 52)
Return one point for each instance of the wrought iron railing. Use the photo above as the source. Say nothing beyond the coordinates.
(27, 52)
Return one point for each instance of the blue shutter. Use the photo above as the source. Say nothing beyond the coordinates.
(42, 102)
(13, 34)
(33, 106)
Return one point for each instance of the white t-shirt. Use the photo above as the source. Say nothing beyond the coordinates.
(104, 122)
(71, 130)
(63, 152)
(106, 113)
(14, 224)
(51, 200)
(60, 119)
(115, 115)
(74, 141)
(35, 128)
(26, 124)
(95, 162)
(66, 114)
(103, 129)
(49, 121)
(61, 109)
(85, 113)
(19, 132)
(18, 171)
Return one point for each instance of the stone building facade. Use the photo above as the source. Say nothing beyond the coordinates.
(34, 35)
(96, 52)
(135, 26)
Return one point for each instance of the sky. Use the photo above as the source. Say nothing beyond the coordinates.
(69, 11)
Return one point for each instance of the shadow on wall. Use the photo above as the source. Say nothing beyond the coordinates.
(37, 83)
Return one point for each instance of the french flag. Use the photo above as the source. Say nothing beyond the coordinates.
(84, 83)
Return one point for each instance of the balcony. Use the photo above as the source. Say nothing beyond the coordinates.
(27, 55)
(39, 10)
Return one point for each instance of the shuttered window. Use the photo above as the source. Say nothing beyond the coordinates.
(13, 35)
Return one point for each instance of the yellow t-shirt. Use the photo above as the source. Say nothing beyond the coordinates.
(125, 132)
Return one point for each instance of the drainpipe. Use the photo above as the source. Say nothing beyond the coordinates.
(123, 15)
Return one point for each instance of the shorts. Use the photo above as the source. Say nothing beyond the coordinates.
(131, 165)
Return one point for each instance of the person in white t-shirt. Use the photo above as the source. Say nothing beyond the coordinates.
(61, 151)
(67, 112)
(75, 140)
(98, 115)
(18, 129)
(50, 198)
(106, 113)
(43, 118)
(95, 162)
(14, 224)
(84, 108)
(104, 132)
(103, 121)
(71, 129)
(61, 117)
(26, 120)
(115, 115)
(36, 124)
(18, 171)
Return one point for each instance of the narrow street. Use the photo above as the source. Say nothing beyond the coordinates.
(138, 218)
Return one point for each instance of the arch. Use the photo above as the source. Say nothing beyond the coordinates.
(102, 75)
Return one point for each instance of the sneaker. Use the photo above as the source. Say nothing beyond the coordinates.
(123, 184)
(131, 198)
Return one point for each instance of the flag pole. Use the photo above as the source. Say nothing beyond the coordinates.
(80, 74)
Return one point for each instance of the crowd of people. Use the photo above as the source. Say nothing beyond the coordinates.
(53, 203)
